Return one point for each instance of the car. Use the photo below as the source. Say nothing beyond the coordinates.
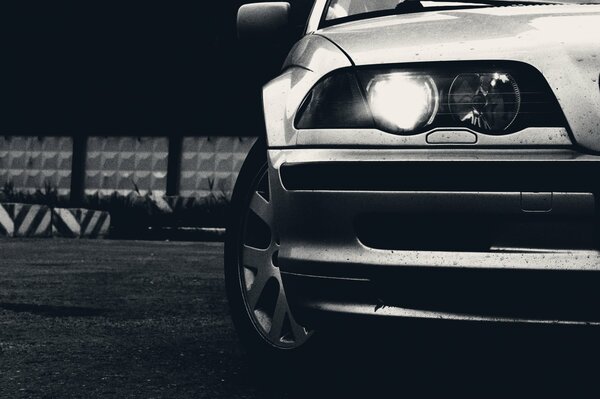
(420, 160)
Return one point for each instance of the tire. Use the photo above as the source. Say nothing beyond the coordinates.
(258, 306)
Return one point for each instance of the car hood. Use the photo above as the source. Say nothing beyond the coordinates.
(559, 40)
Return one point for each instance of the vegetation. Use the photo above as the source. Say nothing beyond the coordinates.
(133, 214)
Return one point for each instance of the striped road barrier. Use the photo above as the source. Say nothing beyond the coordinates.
(7, 227)
(65, 223)
(30, 220)
(83, 223)
(94, 224)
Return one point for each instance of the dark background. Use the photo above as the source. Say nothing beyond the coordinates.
(170, 67)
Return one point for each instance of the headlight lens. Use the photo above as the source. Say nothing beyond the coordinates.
(401, 102)
(488, 101)
(487, 97)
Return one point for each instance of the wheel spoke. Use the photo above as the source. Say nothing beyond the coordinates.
(255, 258)
(281, 309)
(258, 285)
(262, 208)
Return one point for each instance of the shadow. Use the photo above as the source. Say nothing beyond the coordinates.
(53, 311)
(438, 359)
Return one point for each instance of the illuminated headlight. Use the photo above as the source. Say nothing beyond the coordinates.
(487, 97)
(401, 102)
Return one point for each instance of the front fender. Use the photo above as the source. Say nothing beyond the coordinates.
(309, 60)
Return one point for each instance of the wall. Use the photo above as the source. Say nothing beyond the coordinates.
(36, 163)
(203, 165)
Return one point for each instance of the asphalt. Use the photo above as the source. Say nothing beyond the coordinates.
(131, 319)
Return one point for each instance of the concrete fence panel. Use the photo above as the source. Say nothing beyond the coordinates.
(210, 165)
(126, 164)
(113, 173)
(30, 163)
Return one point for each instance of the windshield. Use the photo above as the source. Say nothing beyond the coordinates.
(343, 10)
(346, 8)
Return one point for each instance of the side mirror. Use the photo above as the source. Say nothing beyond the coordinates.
(263, 21)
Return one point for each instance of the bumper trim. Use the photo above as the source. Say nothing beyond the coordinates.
(361, 264)
(440, 175)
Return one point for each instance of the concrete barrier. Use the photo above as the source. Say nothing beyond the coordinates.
(65, 223)
(26, 220)
(94, 224)
(7, 227)
(30, 220)
(80, 223)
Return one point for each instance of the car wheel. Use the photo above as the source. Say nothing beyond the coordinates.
(257, 299)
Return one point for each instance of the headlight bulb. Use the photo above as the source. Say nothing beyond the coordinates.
(402, 102)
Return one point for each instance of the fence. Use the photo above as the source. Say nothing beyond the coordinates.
(157, 175)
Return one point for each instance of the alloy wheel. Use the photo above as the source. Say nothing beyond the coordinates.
(261, 285)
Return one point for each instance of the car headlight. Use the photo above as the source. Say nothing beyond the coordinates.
(401, 102)
(489, 101)
(488, 97)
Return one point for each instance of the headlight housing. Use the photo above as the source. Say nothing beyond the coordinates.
(488, 97)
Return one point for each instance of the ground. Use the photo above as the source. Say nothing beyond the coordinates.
(136, 319)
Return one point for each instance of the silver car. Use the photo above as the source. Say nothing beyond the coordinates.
(422, 159)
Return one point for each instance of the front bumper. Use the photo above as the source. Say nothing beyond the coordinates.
(505, 235)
